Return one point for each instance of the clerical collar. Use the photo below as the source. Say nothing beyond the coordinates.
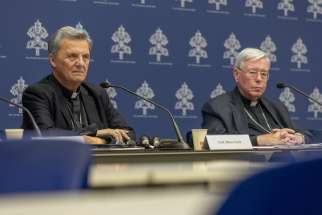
(67, 93)
(75, 94)
(249, 103)
(253, 103)
(71, 94)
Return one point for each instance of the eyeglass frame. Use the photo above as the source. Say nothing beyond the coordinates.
(253, 73)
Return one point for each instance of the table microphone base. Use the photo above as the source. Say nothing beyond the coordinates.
(172, 144)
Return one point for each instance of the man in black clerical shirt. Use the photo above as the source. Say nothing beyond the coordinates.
(245, 110)
(65, 101)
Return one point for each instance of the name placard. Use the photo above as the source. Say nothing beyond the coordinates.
(229, 142)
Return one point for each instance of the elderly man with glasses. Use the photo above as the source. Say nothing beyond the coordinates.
(245, 110)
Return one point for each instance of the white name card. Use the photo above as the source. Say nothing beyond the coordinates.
(229, 142)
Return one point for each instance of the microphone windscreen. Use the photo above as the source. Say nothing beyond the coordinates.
(280, 85)
(105, 85)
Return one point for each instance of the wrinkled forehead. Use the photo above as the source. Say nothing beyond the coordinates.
(258, 61)
(72, 44)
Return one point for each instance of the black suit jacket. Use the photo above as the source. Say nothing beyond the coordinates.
(225, 115)
(47, 103)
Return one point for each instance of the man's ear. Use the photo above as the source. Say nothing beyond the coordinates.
(52, 62)
(236, 75)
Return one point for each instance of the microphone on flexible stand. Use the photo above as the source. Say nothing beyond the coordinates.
(282, 85)
(28, 113)
(180, 141)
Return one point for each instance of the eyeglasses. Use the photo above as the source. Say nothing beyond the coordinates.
(253, 73)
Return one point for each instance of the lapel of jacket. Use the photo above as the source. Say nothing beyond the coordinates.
(61, 101)
(270, 108)
(90, 106)
(239, 115)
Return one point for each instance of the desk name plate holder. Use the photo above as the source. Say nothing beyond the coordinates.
(229, 142)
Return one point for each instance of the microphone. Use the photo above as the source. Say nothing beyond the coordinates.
(282, 85)
(180, 139)
(28, 113)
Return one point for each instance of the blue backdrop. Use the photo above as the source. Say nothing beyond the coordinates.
(176, 52)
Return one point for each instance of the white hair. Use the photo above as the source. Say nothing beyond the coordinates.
(70, 33)
(249, 54)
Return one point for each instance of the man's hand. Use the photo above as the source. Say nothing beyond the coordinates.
(280, 137)
(94, 140)
(118, 134)
(297, 138)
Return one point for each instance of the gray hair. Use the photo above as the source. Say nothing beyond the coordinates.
(249, 54)
(69, 33)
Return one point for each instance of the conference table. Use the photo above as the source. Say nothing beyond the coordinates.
(139, 155)
(156, 201)
(112, 167)
(159, 181)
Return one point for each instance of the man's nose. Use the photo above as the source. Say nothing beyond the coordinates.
(80, 60)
